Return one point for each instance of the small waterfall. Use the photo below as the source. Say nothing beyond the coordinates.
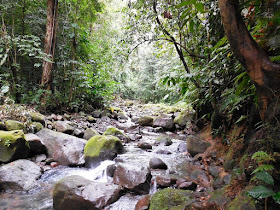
(153, 188)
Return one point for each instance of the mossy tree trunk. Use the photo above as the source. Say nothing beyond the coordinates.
(264, 73)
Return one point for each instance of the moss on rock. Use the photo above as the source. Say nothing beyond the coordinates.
(12, 125)
(13, 145)
(170, 199)
(100, 148)
(112, 131)
(38, 117)
(242, 201)
(184, 117)
(146, 120)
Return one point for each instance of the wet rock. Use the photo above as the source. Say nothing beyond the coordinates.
(183, 117)
(182, 147)
(111, 170)
(156, 163)
(180, 181)
(163, 152)
(78, 133)
(164, 140)
(96, 113)
(38, 117)
(215, 171)
(12, 125)
(54, 164)
(164, 121)
(100, 148)
(218, 183)
(35, 143)
(116, 132)
(13, 146)
(133, 177)
(146, 121)
(196, 145)
(143, 203)
(144, 145)
(170, 199)
(122, 116)
(226, 179)
(63, 127)
(165, 180)
(90, 132)
(200, 176)
(158, 130)
(188, 186)
(40, 158)
(63, 148)
(135, 137)
(75, 192)
(91, 119)
(19, 175)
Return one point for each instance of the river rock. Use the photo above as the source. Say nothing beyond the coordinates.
(183, 117)
(75, 192)
(90, 132)
(200, 176)
(116, 132)
(215, 170)
(133, 177)
(163, 152)
(19, 175)
(156, 163)
(96, 113)
(188, 186)
(13, 146)
(3, 126)
(165, 180)
(63, 148)
(63, 127)
(170, 199)
(164, 140)
(12, 125)
(196, 145)
(38, 117)
(100, 148)
(36, 126)
(182, 147)
(143, 203)
(78, 133)
(219, 199)
(144, 145)
(35, 143)
(146, 121)
(164, 121)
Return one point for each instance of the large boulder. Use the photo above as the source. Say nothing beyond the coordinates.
(63, 148)
(12, 125)
(164, 121)
(116, 132)
(63, 127)
(163, 140)
(196, 145)
(100, 148)
(13, 146)
(133, 177)
(170, 199)
(183, 118)
(146, 121)
(90, 132)
(38, 117)
(156, 163)
(75, 192)
(35, 144)
(19, 175)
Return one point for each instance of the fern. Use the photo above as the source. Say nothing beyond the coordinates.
(275, 58)
(276, 197)
(264, 167)
(262, 157)
(260, 192)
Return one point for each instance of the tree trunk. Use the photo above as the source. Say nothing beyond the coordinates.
(264, 73)
(49, 43)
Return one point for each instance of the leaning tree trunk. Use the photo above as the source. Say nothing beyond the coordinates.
(264, 73)
(49, 43)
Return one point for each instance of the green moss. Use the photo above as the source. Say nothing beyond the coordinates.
(10, 143)
(170, 199)
(98, 144)
(219, 197)
(184, 117)
(37, 126)
(37, 117)
(14, 125)
(243, 201)
(112, 131)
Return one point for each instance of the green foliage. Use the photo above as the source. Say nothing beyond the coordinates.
(260, 192)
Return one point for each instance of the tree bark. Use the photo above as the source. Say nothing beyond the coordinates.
(49, 43)
(264, 73)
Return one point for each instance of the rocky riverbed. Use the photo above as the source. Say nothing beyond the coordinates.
(129, 156)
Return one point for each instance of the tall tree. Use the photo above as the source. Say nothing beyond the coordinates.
(49, 43)
(264, 73)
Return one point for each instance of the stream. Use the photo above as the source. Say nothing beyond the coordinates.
(41, 197)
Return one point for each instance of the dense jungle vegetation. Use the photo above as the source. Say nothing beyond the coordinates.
(221, 57)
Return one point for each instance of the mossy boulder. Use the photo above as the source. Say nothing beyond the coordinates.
(218, 199)
(13, 146)
(100, 148)
(3, 126)
(112, 131)
(196, 145)
(163, 140)
(12, 125)
(170, 199)
(146, 120)
(38, 117)
(183, 117)
(242, 201)
(90, 132)
(91, 119)
(37, 126)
